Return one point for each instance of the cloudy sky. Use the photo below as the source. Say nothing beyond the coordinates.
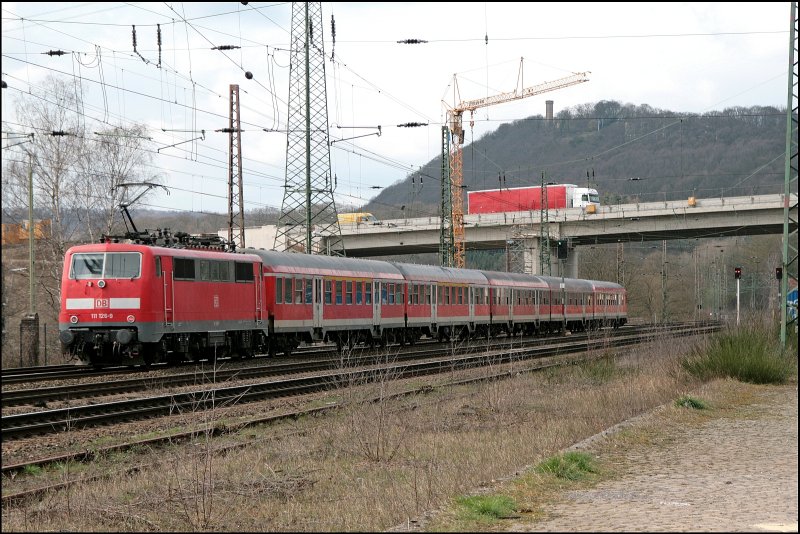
(686, 57)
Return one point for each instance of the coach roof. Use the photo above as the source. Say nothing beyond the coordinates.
(441, 275)
(294, 262)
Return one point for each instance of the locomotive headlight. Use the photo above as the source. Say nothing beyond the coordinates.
(73, 319)
(131, 318)
(101, 284)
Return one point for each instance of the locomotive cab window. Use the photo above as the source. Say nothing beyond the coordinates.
(244, 272)
(105, 265)
(225, 274)
(183, 269)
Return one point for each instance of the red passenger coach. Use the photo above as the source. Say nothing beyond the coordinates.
(443, 302)
(608, 305)
(130, 304)
(315, 298)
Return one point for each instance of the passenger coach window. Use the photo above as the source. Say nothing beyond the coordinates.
(359, 291)
(368, 293)
(298, 291)
(309, 290)
(338, 292)
(328, 292)
(287, 290)
(349, 293)
(278, 290)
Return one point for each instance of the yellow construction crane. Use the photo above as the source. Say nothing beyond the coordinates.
(454, 121)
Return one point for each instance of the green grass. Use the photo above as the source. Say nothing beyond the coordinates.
(686, 401)
(748, 354)
(599, 370)
(569, 466)
(32, 469)
(485, 508)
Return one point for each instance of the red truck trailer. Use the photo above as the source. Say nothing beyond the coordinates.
(530, 198)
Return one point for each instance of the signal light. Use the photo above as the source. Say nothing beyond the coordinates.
(737, 272)
(778, 273)
(562, 249)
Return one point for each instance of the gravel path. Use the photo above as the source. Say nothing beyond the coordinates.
(734, 474)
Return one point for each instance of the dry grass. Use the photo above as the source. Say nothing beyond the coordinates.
(370, 466)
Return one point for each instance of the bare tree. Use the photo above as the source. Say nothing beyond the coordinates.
(52, 154)
(74, 178)
(119, 155)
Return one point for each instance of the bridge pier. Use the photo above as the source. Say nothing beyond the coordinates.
(532, 261)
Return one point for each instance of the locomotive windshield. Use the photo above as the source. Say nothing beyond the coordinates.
(108, 265)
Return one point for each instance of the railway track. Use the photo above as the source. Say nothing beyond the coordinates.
(40, 396)
(50, 421)
(18, 375)
(10, 470)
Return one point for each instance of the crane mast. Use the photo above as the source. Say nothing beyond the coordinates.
(455, 117)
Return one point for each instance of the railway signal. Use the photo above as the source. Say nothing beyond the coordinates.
(778, 273)
(737, 272)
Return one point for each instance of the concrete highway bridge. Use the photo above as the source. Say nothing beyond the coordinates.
(651, 221)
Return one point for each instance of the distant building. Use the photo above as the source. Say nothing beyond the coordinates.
(256, 236)
(16, 233)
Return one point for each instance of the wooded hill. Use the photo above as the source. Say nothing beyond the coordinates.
(737, 151)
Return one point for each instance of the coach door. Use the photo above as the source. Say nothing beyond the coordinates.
(376, 303)
(317, 299)
(258, 282)
(164, 266)
(471, 293)
(434, 304)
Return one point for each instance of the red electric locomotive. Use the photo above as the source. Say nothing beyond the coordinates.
(125, 303)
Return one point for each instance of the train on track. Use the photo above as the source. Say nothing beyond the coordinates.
(129, 303)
